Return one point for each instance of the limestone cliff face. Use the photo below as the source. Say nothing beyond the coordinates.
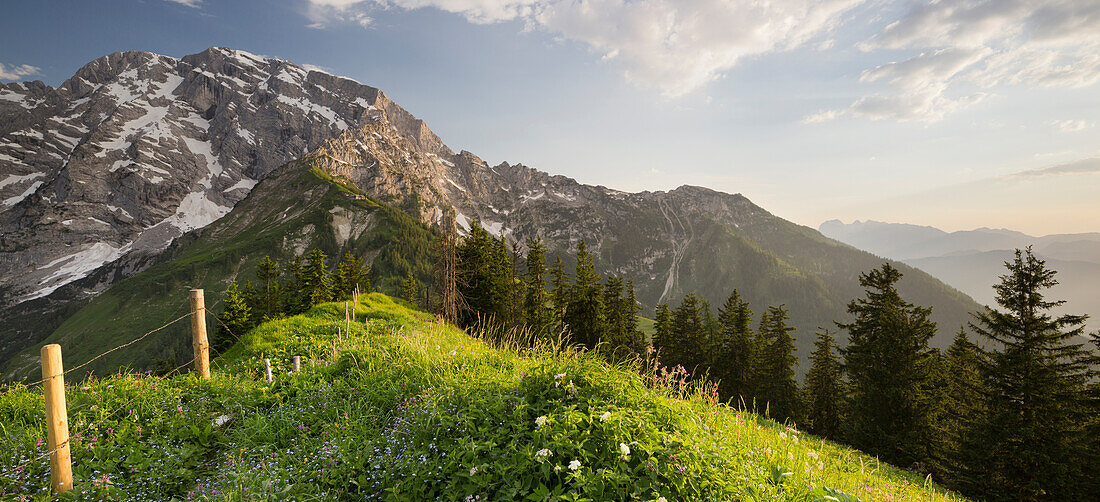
(137, 148)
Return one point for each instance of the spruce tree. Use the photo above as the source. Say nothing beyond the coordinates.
(1029, 444)
(267, 271)
(535, 312)
(317, 281)
(559, 297)
(778, 392)
(732, 352)
(885, 361)
(688, 337)
(584, 316)
(349, 274)
(293, 301)
(960, 405)
(824, 392)
(410, 290)
(483, 277)
(628, 314)
(236, 319)
(612, 311)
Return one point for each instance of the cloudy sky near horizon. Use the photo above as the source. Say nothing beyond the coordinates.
(952, 113)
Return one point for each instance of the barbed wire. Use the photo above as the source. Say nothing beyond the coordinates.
(95, 425)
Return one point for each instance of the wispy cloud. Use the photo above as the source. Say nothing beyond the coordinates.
(1072, 125)
(18, 72)
(964, 44)
(675, 46)
(1082, 166)
(189, 3)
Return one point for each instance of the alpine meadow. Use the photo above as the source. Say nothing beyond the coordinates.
(236, 275)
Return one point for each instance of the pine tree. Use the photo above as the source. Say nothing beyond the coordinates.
(349, 275)
(293, 302)
(635, 339)
(886, 365)
(688, 336)
(559, 297)
(270, 305)
(613, 313)
(778, 392)
(584, 316)
(1029, 445)
(317, 281)
(961, 404)
(236, 318)
(824, 389)
(483, 277)
(410, 290)
(731, 361)
(535, 312)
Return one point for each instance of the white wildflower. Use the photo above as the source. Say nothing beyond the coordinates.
(559, 376)
(473, 470)
(625, 450)
(542, 454)
(606, 415)
(660, 499)
(541, 421)
(574, 465)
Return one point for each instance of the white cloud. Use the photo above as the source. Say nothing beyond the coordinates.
(1072, 125)
(190, 3)
(18, 72)
(1081, 166)
(676, 46)
(982, 44)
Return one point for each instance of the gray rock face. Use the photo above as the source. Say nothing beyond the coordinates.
(138, 148)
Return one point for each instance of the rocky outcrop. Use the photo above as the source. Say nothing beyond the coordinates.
(137, 148)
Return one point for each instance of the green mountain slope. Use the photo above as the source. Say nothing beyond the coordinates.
(412, 409)
(293, 210)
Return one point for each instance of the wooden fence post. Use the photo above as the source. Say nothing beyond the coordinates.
(267, 368)
(297, 363)
(347, 319)
(198, 334)
(57, 419)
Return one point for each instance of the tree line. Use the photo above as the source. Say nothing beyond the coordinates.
(1016, 417)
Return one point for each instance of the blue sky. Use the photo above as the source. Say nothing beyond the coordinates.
(957, 113)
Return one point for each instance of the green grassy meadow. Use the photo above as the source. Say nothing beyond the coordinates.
(409, 408)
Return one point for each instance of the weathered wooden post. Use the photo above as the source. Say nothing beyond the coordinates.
(334, 351)
(347, 320)
(297, 363)
(198, 334)
(267, 369)
(57, 419)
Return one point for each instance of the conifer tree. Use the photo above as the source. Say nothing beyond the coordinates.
(349, 274)
(1029, 445)
(778, 392)
(292, 300)
(269, 306)
(613, 312)
(410, 290)
(688, 337)
(236, 318)
(535, 312)
(628, 314)
(731, 361)
(824, 392)
(584, 316)
(317, 281)
(885, 361)
(559, 297)
(960, 405)
(484, 277)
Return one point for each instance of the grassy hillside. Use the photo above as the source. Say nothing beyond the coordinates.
(411, 409)
(320, 212)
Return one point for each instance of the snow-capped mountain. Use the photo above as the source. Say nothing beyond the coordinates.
(138, 148)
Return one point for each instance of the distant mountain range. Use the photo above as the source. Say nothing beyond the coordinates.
(144, 175)
(973, 260)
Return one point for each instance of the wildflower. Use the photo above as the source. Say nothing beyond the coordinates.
(782, 435)
(660, 499)
(625, 450)
(557, 468)
(542, 454)
(541, 421)
(606, 415)
(473, 470)
(559, 376)
(574, 465)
